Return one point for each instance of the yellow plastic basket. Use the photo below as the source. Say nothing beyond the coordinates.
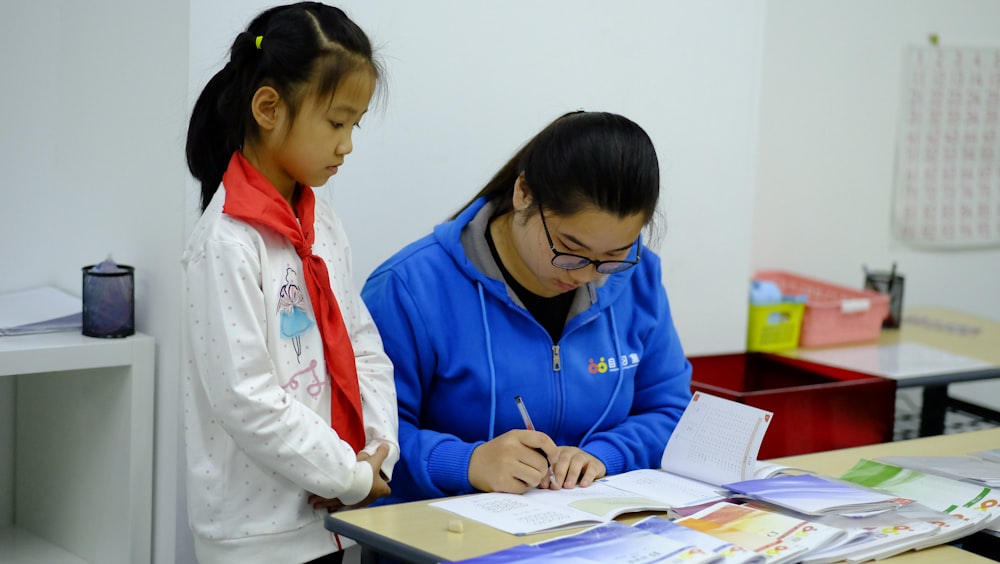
(774, 327)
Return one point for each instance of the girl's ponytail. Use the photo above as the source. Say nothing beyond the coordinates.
(220, 117)
(211, 138)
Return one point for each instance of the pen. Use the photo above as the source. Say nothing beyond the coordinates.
(531, 427)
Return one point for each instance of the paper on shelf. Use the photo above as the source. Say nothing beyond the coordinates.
(39, 310)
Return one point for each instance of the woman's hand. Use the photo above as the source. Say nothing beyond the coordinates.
(575, 467)
(513, 462)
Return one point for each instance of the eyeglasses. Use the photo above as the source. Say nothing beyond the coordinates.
(569, 261)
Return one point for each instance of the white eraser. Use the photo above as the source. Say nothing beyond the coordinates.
(455, 526)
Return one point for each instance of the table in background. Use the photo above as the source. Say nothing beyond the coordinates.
(953, 332)
(416, 532)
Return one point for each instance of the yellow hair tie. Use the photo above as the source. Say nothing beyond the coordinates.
(258, 40)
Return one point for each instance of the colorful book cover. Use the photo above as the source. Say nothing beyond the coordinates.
(813, 495)
(936, 492)
(730, 553)
(965, 468)
(875, 537)
(616, 542)
(607, 543)
(524, 553)
(778, 537)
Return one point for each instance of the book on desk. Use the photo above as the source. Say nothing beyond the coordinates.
(680, 495)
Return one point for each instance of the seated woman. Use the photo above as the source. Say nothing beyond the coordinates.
(540, 288)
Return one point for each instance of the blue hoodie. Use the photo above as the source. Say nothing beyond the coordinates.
(463, 347)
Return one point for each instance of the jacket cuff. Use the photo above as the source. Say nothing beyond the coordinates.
(448, 466)
(361, 484)
(614, 461)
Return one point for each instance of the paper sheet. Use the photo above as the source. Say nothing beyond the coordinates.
(39, 310)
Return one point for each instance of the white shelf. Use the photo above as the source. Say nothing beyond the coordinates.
(18, 546)
(81, 459)
(48, 352)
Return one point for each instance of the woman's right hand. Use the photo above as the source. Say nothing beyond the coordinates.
(510, 463)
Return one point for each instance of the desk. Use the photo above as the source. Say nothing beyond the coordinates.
(416, 532)
(953, 332)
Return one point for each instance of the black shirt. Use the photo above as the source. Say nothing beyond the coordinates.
(549, 312)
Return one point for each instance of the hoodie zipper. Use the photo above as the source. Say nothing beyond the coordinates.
(556, 360)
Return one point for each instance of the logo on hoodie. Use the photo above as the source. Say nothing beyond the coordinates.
(610, 364)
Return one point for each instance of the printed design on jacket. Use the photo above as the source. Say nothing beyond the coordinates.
(314, 388)
(294, 319)
(609, 364)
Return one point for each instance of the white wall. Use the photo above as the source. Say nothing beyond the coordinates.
(831, 87)
(832, 82)
(469, 82)
(94, 99)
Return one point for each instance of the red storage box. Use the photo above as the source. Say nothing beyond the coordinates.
(834, 314)
(816, 407)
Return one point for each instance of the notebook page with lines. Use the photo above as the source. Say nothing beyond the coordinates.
(716, 440)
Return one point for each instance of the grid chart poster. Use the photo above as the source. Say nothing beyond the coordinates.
(947, 192)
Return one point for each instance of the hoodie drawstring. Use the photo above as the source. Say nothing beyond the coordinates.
(618, 384)
(489, 357)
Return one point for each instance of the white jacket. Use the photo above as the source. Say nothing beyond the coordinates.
(257, 397)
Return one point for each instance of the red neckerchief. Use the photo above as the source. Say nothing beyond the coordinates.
(250, 197)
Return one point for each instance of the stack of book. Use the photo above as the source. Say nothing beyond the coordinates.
(719, 504)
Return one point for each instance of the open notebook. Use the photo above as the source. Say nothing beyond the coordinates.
(716, 441)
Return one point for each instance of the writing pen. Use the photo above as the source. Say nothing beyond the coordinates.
(531, 427)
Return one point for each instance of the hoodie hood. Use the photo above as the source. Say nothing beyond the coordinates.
(464, 241)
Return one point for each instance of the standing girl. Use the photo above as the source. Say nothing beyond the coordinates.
(289, 403)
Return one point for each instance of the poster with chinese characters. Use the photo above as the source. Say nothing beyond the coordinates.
(947, 186)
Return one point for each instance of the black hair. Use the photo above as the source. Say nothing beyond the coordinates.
(582, 159)
(295, 49)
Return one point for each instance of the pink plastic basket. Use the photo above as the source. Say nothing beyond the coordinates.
(834, 314)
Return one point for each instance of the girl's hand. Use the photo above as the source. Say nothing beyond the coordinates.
(512, 462)
(330, 504)
(575, 467)
(380, 486)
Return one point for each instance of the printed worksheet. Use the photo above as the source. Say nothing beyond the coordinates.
(716, 440)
